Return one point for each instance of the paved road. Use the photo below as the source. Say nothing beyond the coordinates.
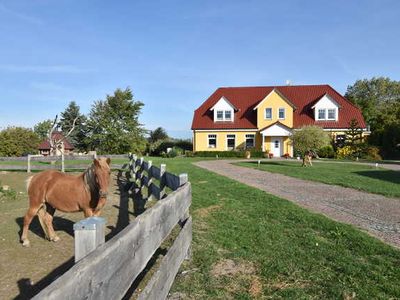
(378, 215)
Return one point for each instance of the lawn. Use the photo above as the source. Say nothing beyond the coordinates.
(361, 177)
(248, 244)
(280, 250)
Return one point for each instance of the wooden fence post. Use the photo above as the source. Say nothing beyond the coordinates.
(89, 234)
(29, 163)
(62, 163)
(163, 169)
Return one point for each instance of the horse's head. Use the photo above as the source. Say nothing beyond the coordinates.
(102, 171)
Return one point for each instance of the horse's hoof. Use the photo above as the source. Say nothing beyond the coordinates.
(26, 243)
(55, 239)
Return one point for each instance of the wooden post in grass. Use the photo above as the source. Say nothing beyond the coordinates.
(29, 163)
(62, 163)
(89, 234)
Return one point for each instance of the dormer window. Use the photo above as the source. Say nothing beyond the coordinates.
(223, 111)
(332, 114)
(321, 114)
(220, 115)
(326, 109)
(281, 113)
(228, 115)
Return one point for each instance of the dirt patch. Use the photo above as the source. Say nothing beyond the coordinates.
(255, 287)
(228, 267)
(204, 212)
(283, 284)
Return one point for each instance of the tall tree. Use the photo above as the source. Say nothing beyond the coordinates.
(158, 134)
(78, 136)
(379, 100)
(114, 124)
(18, 141)
(42, 128)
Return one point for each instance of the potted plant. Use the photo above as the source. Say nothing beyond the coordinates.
(247, 154)
(270, 155)
(286, 155)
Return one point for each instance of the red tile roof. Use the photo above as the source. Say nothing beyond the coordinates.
(302, 96)
(45, 145)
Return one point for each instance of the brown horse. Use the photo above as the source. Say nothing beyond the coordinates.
(51, 190)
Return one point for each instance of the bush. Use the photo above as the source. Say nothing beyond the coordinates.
(345, 152)
(326, 152)
(161, 146)
(372, 153)
(174, 152)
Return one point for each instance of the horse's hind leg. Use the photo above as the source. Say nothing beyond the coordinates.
(42, 215)
(49, 223)
(27, 221)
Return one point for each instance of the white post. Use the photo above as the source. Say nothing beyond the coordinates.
(62, 163)
(29, 163)
(89, 234)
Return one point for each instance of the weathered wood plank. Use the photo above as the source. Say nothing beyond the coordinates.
(108, 272)
(161, 282)
(173, 181)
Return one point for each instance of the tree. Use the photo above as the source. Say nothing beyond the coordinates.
(78, 136)
(354, 133)
(158, 134)
(309, 138)
(379, 100)
(114, 124)
(18, 141)
(42, 128)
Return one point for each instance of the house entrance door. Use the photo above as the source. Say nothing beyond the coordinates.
(276, 146)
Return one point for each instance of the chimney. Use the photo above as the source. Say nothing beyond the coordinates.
(288, 82)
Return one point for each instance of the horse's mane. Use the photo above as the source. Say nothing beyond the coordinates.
(90, 179)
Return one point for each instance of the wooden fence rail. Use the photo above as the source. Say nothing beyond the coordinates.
(109, 271)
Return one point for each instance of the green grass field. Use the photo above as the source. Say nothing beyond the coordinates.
(278, 250)
(357, 176)
(295, 254)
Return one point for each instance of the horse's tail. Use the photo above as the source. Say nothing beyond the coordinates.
(28, 183)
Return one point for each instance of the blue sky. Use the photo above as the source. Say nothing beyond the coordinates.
(174, 54)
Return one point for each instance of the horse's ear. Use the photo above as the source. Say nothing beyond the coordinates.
(108, 160)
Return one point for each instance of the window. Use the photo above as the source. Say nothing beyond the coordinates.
(212, 141)
(276, 144)
(249, 141)
(268, 113)
(230, 141)
(321, 114)
(332, 114)
(281, 113)
(220, 115)
(228, 115)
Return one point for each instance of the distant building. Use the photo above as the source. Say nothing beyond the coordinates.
(263, 118)
(44, 147)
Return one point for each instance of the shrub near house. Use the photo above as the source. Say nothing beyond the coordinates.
(263, 118)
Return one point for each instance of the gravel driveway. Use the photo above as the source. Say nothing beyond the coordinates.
(378, 215)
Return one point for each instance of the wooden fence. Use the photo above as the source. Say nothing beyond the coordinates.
(109, 271)
(60, 160)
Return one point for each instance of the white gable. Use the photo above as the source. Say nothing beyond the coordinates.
(276, 130)
(223, 104)
(326, 102)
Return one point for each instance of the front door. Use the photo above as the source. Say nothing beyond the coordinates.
(276, 146)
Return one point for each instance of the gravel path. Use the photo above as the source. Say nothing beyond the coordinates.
(378, 215)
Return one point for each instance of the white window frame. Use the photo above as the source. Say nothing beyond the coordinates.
(209, 137)
(230, 118)
(249, 136)
(321, 110)
(222, 116)
(334, 113)
(228, 137)
(265, 113)
(284, 113)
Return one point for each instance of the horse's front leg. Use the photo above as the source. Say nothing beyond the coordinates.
(100, 205)
(88, 212)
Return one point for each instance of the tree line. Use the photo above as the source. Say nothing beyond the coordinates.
(112, 126)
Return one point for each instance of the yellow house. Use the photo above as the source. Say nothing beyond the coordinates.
(263, 118)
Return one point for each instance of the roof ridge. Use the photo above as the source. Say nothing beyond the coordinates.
(270, 86)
